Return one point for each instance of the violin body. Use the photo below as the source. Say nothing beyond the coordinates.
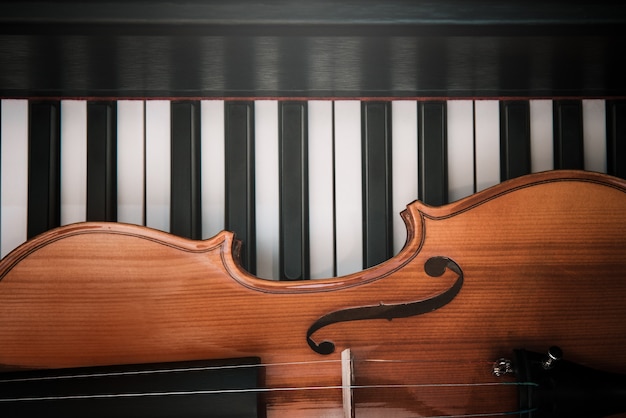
(534, 262)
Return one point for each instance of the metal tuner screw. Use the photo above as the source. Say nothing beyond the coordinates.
(554, 354)
(502, 367)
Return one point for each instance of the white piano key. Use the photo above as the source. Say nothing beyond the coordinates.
(460, 115)
(348, 187)
(321, 198)
(212, 166)
(130, 161)
(404, 174)
(487, 143)
(14, 174)
(158, 165)
(73, 161)
(541, 135)
(266, 188)
(594, 135)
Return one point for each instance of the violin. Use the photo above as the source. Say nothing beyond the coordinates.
(510, 302)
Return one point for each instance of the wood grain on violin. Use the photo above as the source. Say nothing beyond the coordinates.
(531, 263)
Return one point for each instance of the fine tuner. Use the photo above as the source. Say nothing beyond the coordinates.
(505, 366)
(561, 388)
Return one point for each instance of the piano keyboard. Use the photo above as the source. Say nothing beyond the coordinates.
(313, 188)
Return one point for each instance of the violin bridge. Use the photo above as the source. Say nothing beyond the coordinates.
(347, 380)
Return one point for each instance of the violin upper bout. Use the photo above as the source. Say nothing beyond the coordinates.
(108, 243)
(541, 192)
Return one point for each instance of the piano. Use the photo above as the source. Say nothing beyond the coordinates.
(303, 126)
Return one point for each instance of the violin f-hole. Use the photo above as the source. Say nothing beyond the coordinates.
(434, 267)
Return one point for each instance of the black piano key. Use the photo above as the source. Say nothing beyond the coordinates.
(377, 201)
(185, 203)
(514, 139)
(568, 135)
(293, 191)
(239, 166)
(102, 161)
(44, 173)
(616, 137)
(432, 151)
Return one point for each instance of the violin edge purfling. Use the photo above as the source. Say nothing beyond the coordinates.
(230, 246)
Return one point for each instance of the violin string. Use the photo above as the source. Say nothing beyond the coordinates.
(224, 367)
(488, 414)
(255, 390)
(422, 361)
(227, 391)
(163, 371)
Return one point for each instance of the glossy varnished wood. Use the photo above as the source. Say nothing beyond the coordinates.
(543, 259)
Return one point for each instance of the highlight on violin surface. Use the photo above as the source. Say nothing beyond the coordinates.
(506, 303)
